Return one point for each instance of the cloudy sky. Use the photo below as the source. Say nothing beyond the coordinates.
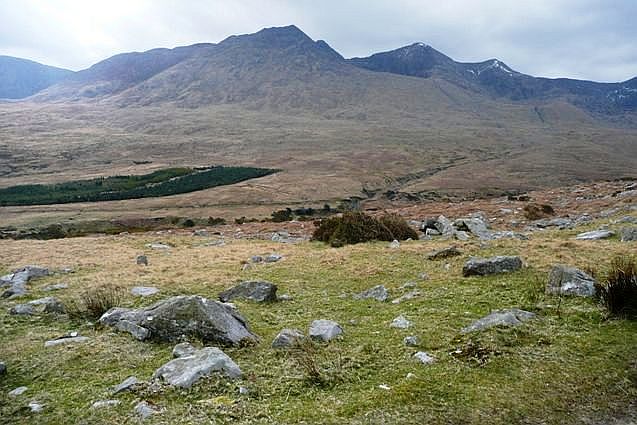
(588, 39)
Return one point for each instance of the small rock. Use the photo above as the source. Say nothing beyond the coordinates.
(432, 232)
(183, 349)
(565, 280)
(411, 341)
(158, 245)
(288, 338)
(257, 291)
(408, 285)
(406, 297)
(100, 404)
(48, 305)
(486, 266)
(55, 287)
(384, 387)
(378, 293)
(284, 297)
(325, 330)
(594, 235)
(201, 233)
(424, 358)
(126, 385)
(272, 258)
(628, 234)
(22, 310)
(66, 340)
(145, 410)
(244, 391)
(512, 317)
(183, 372)
(18, 391)
(394, 244)
(144, 291)
(410, 375)
(444, 226)
(400, 322)
(423, 276)
(448, 252)
(256, 259)
(142, 260)
(35, 407)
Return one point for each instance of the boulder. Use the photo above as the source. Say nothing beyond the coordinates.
(507, 318)
(594, 235)
(444, 226)
(185, 371)
(186, 316)
(254, 290)
(400, 322)
(440, 254)
(288, 338)
(48, 305)
(22, 310)
(628, 234)
(565, 280)
(378, 293)
(325, 330)
(184, 349)
(144, 291)
(17, 281)
(474, 225)
(486, 266)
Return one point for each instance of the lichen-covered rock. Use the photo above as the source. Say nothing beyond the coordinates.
(253, 290)
(186, 316)
(565, 280)
(185, 371)
(486, 266)
(507, 318)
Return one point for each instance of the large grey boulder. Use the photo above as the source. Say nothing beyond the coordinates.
(445, 227)
(185, 316)
(288, 338)
(17, 281)
(507, 318)
(378, 293)
(565, 280)
(254, 290)
(473, 225)
(594, 235)
(628, 234)
(486, 266)
(185, 371)
(325, 330)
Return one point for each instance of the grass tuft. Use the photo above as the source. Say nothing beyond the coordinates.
(618, 293)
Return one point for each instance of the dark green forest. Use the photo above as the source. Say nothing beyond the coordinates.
(171, 181)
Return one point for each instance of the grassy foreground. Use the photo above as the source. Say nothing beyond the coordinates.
(572, 365)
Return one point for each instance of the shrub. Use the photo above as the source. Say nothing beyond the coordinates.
(94, 302)
(356, 227)
(282, 215)
(216, 221)
(319, 368)
(188, 223)
(538, 211)
(618, 291)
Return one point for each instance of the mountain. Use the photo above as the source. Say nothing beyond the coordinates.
(495, 78)
(21, 78)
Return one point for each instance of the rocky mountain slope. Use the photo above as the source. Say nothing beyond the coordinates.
(21, 78)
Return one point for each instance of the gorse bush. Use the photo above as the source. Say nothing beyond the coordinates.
(356, 227)
(618, 291)
(94, 302)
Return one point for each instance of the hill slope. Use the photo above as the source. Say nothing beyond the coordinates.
(20, 78)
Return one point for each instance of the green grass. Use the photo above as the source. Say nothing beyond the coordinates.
(171, 181)
(564, 368)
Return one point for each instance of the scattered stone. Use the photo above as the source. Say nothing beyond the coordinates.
(158, 245)
(406, 297)
(145, 410)
(288, 338)
(628, 234)
(66, 340)
(461, 236)
(627, 219)
(432, 232)
(285, 297)
(144, 291)
(3, 368)
(424, 358)
(140, 334)
(126, 385)
(559, 222)
(410, 375)
(401, 322)
(185, 371)
(244, 391)
(565, 280)
(35, 407)
(411, 341)
(55, 287)
(22, 310)
(594, 235)
(486, 266)
(183, 349)
(474, 225)
(201, 233)
(17, 281)
(507, 234)
(512, 317)
(218, 242)
(394, 244)
(423, 276)
(325, 330)
(378, 293)
(66, 270)
(444, 226)
(272, 258)
(448, 252)
(18, 391)
(186, 316)
(100, 404)
(256, 259)
(384, 387)
(48, 305)
(254, 290)
(142, 260)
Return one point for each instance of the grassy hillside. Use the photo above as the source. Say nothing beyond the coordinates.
(571, 365)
